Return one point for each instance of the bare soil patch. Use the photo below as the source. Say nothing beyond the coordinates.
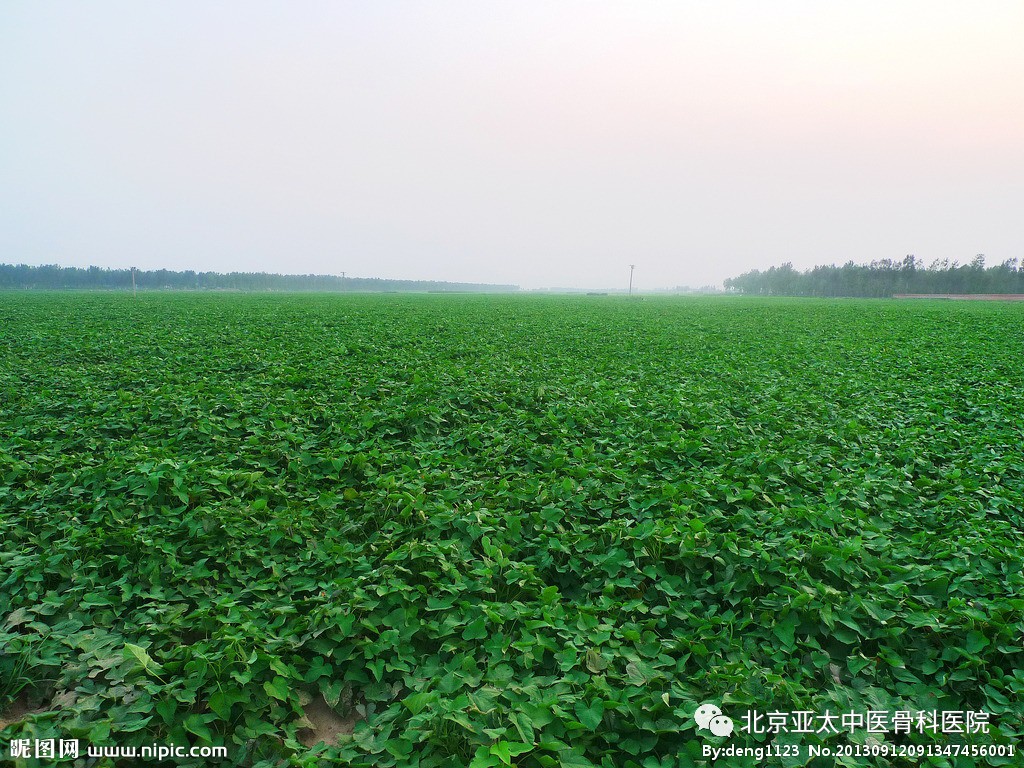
(17, 712)
(327, 725)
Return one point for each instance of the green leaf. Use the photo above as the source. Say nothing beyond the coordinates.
(222, 701)
(634, 674)
(501, 751)
(856, 663)
(197, 724)
(590, 716)
(484, 759)
(595, 662)
(277, 688)
(785, 630)
(139, 654)
(524, 725)
(505, 750)
(976, 642)
(166, 709)
(569, 759)
(417, 701)
(18, 617)
(476, 631)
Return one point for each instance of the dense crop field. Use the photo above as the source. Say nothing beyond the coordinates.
(533, 531)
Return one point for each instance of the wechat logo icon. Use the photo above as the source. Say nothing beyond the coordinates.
(709, 717)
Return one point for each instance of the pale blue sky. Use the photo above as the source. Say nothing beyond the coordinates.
(544, 144)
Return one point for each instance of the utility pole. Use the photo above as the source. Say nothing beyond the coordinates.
(135, 295)
(631, 268)
(343, 281)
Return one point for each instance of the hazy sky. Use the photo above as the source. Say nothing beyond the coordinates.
(538, 143)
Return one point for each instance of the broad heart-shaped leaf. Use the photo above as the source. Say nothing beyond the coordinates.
(857, 663)
(133, 722)
(524, 725)
(166, 709)
(634, 674)
(476, 631)
(595, 661)
(590, 716)
(417, 701)
(785, 630)
(506, 750)
(484, 759)
(17, 617)
(197, 724)
(278, 688)
(139, 654)
(222, 701)
(570, 759)
(976, 642)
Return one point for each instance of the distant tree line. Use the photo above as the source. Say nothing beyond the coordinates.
(51, 276)
(883, 278)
